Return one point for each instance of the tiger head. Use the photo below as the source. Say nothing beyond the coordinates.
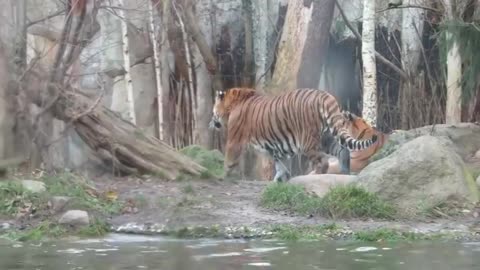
(359, 128)
(225, 102)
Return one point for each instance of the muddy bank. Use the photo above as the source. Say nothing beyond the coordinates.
(233, 209)
(202, 208)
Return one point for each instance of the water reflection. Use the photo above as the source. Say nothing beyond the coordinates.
(131, 252)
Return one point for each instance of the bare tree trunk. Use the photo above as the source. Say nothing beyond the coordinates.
(209, 60)
(453, 112)
(369, 112)
(260, 39)
(301, 53)
(126, 64)
(411, 40)
(157, 65)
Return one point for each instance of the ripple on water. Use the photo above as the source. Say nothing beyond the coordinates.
(71, 251)
(102, 249)
(260, 264)
(364, 249)
(215, 255)
(264, 249)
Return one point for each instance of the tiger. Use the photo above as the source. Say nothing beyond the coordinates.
(331, 146)
(281, 126)
(359, 159)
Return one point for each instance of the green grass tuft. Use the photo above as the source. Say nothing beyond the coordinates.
(350, 201)
(212, 160)
(340, 202)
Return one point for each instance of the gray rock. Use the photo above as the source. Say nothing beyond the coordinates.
(321, 183)
(477, 154)
(34, 186)
(58, 203)
(5, 226)
(75, 218)
(419, 175)
(478, 181)
(465, 137)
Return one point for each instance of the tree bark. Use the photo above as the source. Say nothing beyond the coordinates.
(453, 113)
(193, 26)
(157, 67)
(369, 111)
(126, 64)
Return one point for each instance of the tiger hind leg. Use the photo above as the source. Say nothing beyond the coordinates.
(344, 160)
(319, 161)
(281, 172)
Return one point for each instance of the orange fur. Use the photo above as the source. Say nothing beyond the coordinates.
(281, 125)
(360, 159)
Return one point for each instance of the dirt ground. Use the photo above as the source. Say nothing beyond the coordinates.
(207, 203)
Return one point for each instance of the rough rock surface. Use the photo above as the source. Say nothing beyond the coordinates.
(34, 186)
(320, 184)
(465, 138)
(75, 218)
(58, 203)
(419, 175)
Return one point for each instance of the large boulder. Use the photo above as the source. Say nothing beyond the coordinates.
(425, 172)
(465, 138)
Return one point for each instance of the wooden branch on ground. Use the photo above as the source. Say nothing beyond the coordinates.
(114, 140)
(380, 57)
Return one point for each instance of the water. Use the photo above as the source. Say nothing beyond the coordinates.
(139, 252)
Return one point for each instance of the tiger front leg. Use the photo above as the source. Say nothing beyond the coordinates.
(281, 172)
(233, 152)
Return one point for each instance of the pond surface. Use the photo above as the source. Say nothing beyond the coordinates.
(141, 252)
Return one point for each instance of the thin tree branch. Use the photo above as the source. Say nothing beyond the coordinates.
(410, 6)
(380, 57)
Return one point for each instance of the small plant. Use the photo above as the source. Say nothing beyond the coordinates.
(97, 227)
(340, 202)
(350, 201)
(188, 188)
(283, 196)
(210, 159)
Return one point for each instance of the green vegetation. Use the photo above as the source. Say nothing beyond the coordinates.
(390, 235)
(36, 211)
(340, 202)
(83, 194)
(350, 201)
(210, 159)
(294, 233)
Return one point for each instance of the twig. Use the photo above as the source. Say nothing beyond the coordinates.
(410, 6)
(377, 54)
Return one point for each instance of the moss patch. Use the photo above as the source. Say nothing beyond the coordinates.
(340, 202)
(212, 160)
